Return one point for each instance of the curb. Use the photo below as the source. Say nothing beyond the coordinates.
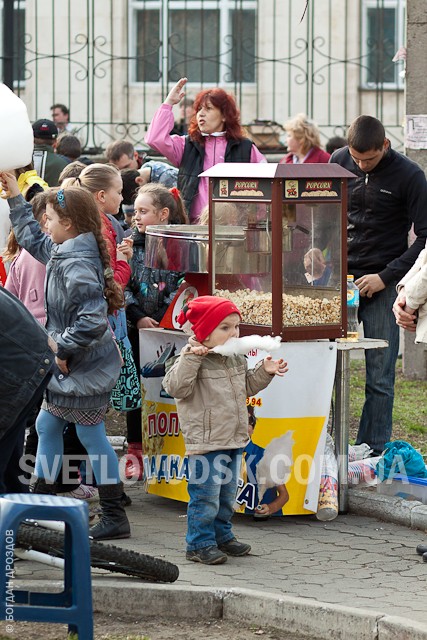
(304, 617)
(409, 513)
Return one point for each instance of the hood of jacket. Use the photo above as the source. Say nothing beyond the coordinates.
(83, 246)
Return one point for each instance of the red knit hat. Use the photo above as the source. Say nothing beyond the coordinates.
(205, 313)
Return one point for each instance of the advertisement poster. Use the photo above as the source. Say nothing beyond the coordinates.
(288, 439)
(416, 131)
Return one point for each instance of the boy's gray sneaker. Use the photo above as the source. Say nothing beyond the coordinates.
(235, 548)
(422, 549)
(207, 555)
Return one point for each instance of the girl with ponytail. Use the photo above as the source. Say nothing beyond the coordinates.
(80, 290)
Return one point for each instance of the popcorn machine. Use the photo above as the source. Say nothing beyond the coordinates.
(275, 245)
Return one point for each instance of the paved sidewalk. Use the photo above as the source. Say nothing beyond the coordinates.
(354, 561)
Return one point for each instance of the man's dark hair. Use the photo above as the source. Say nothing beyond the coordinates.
(115, 150)
(65, 110)
(334, 143)
(365, 134)
(130, 186)
(69, 146)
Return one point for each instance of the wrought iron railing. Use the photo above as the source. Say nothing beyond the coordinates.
(112, 62)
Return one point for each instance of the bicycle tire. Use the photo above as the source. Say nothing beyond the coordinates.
(103, 556)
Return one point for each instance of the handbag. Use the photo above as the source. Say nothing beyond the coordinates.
(126, 394)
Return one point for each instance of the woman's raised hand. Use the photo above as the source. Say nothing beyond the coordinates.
(176, 93)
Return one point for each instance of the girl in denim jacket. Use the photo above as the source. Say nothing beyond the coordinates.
(79, 292)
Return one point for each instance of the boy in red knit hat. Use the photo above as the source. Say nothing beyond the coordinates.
(210, 392)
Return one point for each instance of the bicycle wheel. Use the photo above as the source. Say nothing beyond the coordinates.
(103, 556)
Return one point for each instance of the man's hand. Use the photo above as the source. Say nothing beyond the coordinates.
(369, 284)
(405, 316)
(147, 323)
(176, 94)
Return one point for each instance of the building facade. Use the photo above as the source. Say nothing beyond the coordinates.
(113, 62)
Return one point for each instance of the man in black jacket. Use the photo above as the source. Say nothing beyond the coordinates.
(387, 197)
(25, 369)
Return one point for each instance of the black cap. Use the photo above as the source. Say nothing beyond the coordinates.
(45, 129)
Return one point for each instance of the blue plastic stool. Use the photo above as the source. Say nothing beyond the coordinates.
(73, 606)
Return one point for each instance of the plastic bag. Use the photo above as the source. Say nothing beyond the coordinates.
(327, 506)
(358, 451)
(400, 457)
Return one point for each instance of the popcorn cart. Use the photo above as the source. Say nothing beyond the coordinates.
(275, 244)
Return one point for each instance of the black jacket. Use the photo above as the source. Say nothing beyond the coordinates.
(382, 205)
(26, 358)
(192, 164)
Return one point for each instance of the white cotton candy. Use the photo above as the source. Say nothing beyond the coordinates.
(242, 346)
(274, 468)
(16, 132)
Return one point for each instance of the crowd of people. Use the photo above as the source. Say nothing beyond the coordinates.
(78, 287)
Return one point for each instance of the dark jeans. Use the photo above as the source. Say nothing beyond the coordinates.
(378, 321)
(12, 446)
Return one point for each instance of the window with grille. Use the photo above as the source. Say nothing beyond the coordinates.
(18, 39)
(383, 32)
(206, 41)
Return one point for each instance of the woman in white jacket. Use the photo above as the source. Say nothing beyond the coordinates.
(410, 307)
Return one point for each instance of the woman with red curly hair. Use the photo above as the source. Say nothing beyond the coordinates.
(214, 135)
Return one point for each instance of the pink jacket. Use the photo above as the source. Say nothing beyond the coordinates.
(316, 155)
(172, 147)
(26, 281)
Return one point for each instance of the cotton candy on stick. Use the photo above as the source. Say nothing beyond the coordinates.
(274, 468)
(16, 133)
(242, 346)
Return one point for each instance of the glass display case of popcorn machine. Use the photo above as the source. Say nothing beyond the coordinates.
(284, 263)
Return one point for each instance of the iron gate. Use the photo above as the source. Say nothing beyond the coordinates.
(112, 62)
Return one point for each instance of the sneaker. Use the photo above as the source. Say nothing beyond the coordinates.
(235, 548)
(207, 555)
(422, 549)
(82, 492)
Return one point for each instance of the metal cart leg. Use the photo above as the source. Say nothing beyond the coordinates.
(342, 413)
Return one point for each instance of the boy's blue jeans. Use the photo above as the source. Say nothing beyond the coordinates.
(212, 488)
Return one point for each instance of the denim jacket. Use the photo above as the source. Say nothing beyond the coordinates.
(76, 312)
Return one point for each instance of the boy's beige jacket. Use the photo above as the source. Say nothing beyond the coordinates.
(415, 283)
(210, 393)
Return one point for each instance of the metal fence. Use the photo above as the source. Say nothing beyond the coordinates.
(112, 62)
